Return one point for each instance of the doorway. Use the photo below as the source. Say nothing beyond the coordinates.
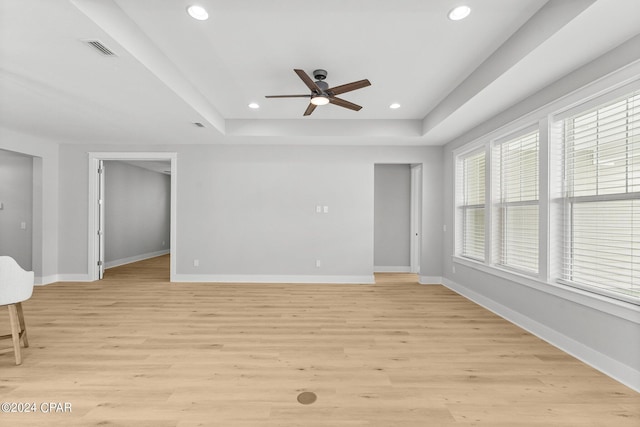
(416, 217)
(96, 242)
(397, 218)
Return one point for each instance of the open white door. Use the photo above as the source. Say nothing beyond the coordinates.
(100, 219)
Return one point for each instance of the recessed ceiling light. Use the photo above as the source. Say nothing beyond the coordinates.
(197, 12)
(460, 12)
(394, 106)
(254, 106)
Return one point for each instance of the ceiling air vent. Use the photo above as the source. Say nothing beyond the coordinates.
(97, 45)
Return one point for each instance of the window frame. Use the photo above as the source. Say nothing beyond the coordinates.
(499, 221)
(461, 208)
(569, 199)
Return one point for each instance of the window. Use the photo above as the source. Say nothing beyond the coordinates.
(602, 197)
(471, 170)
(559, 200)
(516, 211)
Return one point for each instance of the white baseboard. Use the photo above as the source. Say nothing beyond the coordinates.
(392, 269)
(621, 372)
(430, 280)
(45, 280)
(135, 258)
(251, 278)
(70, 278)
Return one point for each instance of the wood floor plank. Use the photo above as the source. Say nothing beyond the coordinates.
(136, 350)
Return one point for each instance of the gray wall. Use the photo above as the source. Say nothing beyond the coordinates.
(392, 217)
(255, 214)
(249, 210)
(46, 244)
(137, 213)
(16, 196)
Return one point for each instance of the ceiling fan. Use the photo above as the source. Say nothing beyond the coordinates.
(322, 94)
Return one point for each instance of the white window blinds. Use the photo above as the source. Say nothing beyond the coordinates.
(471, 178)
(516, 211)
(602, 197)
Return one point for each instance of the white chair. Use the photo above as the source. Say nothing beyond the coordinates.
(16, 285)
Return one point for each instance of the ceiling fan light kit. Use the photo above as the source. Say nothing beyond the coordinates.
(322, 94)
(320, 100)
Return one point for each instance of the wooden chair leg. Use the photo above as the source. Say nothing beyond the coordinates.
(15, 332)
(23, 326)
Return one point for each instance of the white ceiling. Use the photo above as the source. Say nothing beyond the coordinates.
(171, 71)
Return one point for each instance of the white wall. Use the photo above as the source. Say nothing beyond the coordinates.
(137, 213)
(392, 217)
(16, 197)
(603, 332)
(248, 212)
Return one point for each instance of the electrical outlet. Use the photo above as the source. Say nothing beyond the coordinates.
(318, 263)
(196, 263)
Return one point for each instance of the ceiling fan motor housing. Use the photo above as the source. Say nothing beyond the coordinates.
(322, 85)
(320, 74)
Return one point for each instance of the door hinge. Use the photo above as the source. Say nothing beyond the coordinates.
(99, 263)
(100, 170)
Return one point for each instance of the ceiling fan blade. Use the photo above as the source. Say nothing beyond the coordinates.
(309, 109)
(307, 80)
(288, 96)
(346, 104)
(348, 87)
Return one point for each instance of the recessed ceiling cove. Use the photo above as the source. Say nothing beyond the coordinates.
(171, 70)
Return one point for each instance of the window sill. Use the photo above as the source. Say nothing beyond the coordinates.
(606, 304)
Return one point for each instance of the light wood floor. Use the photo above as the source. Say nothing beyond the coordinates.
(135, 350)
